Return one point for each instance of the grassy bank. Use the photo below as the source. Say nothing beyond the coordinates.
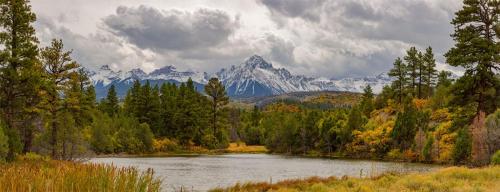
(52, 175)
(176, 150)
(447, 179)
(243, 148)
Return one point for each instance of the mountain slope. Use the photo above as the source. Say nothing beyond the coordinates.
(256, 77)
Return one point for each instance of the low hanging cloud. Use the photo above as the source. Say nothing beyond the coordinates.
(155, 29)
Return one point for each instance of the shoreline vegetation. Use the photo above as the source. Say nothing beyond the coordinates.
(233, 148)
(242, 148)
(446, 179)
(35, 173)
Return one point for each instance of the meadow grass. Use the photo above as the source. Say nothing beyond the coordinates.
(53, 175)
(446, 179)
(241, 147)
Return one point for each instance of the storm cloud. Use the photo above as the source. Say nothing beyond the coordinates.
(151, 28)
(330, 38)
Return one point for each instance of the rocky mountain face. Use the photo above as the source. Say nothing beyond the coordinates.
(254, 77)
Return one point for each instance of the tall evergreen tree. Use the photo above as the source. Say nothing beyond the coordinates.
(421, 74)
(476, 49)
(20, 71)
(216, 90)
(132, 100)
(429, 68)
(400, 73)
(72, 120)
(367, 101)
(59, 69)
(405, 127)
(412, 60)
(154, 111)
(111, 103)
(168, 94)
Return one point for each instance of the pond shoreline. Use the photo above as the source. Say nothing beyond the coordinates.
(225, 152)
(456, 178)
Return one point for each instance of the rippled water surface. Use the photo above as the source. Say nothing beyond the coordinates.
(200, 173)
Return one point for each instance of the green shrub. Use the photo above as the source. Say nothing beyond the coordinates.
(165, 145)
(495, 159)
(32, 157)
(427, 151)
(394, 154)
(462, 148)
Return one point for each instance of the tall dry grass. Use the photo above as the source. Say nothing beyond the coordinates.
(448, 179)
(50, 176)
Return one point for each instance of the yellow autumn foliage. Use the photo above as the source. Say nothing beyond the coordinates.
(420, 103)
(376, 136)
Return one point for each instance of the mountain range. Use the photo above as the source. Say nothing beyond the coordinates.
(252, 78)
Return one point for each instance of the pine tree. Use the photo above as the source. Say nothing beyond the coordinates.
(412, 60)
(421, 74)
(429, 68)
(168, 94)
(111, 105)
(399, 72)
(476, 49)
(367, 101)
(154, 112)
(144, 103)
(132, 100)
(20, 71)
(444, 79)
(74, 119)
(405, 127)
(59, 69)
(217, 92)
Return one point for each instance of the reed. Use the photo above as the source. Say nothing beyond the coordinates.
(72, 176)
(447, 179)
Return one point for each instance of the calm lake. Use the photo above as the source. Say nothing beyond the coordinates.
(200, 173)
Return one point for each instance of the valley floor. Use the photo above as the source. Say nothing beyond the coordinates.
(446, 179)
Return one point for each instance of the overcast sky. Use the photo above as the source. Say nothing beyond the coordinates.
(330, 38)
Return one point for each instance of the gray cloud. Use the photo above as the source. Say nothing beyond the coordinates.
(331, 38)
(151, 28)
(414, 22)
(347, 37)
(96, 49)
(295, 8)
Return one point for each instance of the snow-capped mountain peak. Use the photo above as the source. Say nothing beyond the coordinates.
(256, 61)
(105, 68)
(254, 77)
(164, 70)
(136, 73)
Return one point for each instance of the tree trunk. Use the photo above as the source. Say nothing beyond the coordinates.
(478, 132)
(214, 118)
